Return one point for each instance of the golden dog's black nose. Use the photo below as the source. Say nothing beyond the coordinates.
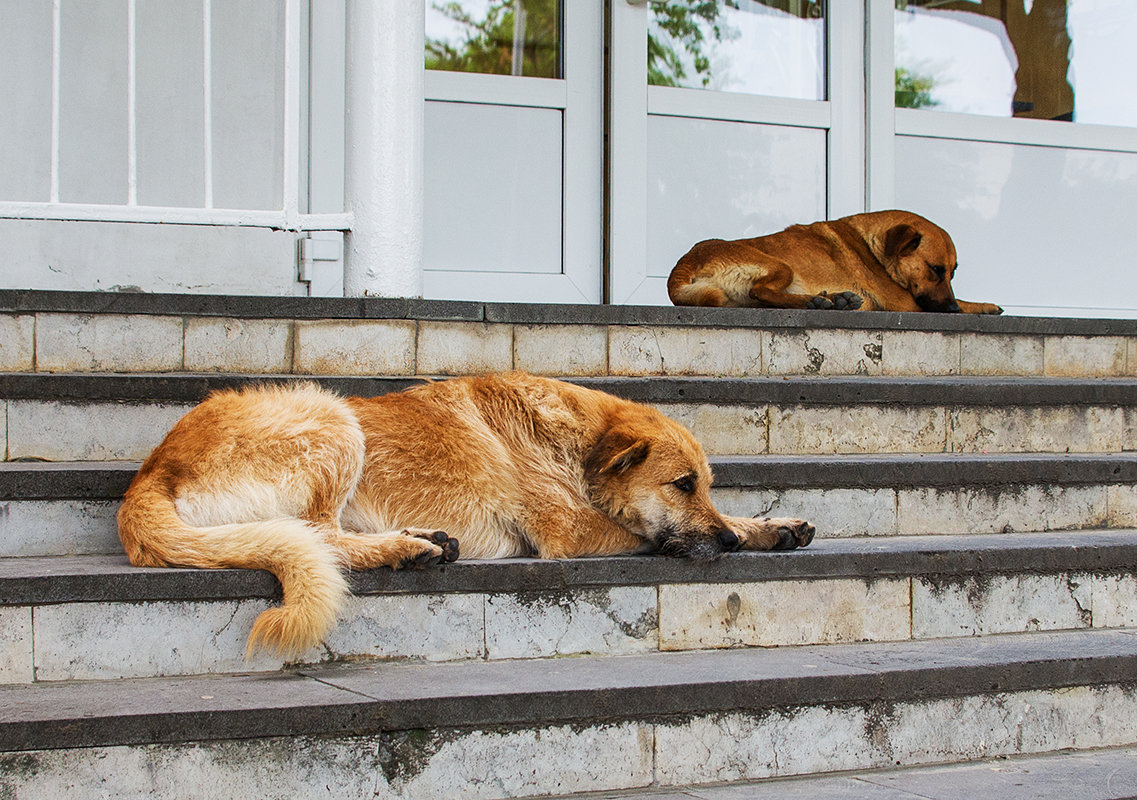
(728, 539)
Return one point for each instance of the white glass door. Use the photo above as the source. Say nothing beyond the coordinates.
(514, 150)
(728, 120)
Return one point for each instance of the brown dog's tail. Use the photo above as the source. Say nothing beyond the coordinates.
(308, 569)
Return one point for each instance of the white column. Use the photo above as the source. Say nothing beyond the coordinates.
(384, 151)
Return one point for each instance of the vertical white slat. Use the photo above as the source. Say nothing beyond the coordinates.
(845, 187)
(56, 45)
(880, 115)
(131, 103)
(207, 108)
(290, 190)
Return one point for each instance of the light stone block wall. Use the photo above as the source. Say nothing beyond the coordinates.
(723, 429)
(214, 344)
(464, 348)
(58, 527)
(440, 627)
(858, 429)
(985, 604)
(1131, 357)
(822, 352)
(108, 343)
(1001, 509)
(1045, 429)
(354, 347)
(17, 342)
(561, 349)
(635, 350)
(16, 663)
(88, 432)
(1086, 356)
(920, 353)
(819, 611)
(1001, 355)
(834, 512)
(1122, 503)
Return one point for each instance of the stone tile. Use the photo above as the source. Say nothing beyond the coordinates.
(464, 348)
(285, 768)
(88, 431)
(215, 344)
(430, 627)
(354, 347)
(4, 432)
(735, 747)
(834, 512)
(17, 342)
(1045, 429)
(108, 343)
(697, 616)
(987, 354)
(1122, 503)
(857, 429)
(638, 350)
(1131, 358)
(1086, 356)
(537, 625)
(822, 352)
(920, 353)
(1114, 600)
(561, 349)
(983, 604)
(1001, 509)
(1129, 435)
(16, 645)
(58, 527)
(166, 638)
(723, 429)
(485, 765)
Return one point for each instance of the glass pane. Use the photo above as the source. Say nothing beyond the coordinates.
(502, 37)
(769, 47)
(1070, 60)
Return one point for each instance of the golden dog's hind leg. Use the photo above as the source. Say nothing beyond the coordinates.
(762, 533)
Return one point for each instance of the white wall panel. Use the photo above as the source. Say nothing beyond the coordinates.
(493, 191)
(728, 180)
(171, 100)
(1039, 230)
(25, 85)
(93, 115)
(248, 103)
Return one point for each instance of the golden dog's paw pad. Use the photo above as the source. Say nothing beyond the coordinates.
(446, 543)
(794, 534)
(839, 301)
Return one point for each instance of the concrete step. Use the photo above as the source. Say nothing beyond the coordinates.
(519, 728)
(101, 332)
(68, 508)
(1109, 774)
(122, 417)
(69, 618)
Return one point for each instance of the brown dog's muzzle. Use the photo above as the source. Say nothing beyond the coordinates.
(927, 303)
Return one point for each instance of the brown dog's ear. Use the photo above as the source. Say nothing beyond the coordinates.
(616, 452)
(901, 240)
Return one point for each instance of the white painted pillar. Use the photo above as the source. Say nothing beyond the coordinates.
(384, 149)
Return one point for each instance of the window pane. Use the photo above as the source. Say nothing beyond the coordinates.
(1070, 60)
(769, 47)
(502, 37)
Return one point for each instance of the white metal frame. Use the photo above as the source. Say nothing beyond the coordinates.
(579, 96)
(288, 217)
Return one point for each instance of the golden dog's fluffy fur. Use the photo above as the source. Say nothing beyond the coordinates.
(302, 482)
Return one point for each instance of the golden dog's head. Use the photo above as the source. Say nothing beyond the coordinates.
(651, 476)
(920, 256)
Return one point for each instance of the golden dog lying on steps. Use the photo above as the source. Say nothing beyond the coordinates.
(302, 482)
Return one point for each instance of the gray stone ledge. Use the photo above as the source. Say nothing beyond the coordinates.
(106, 578)
(356, 699)
(32, 300)
(876, 390)
(108, 480)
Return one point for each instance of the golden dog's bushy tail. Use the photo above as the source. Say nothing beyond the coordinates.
(291, 549)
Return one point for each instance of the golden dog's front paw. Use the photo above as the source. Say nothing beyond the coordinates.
(761, 533)
(433, 547)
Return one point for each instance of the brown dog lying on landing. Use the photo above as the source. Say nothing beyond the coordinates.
(302, 482)
(881, 261)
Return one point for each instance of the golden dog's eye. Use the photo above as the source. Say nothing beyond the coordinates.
(686, 484)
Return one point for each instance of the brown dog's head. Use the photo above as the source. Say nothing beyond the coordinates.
(920, 256)
(651, 476)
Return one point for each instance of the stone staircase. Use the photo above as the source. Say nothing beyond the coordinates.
(972, 592)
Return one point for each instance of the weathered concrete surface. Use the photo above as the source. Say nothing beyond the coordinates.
(355, 347)
(561, 349)
(214, 344)
(17, 342)
(463, 348)
(108, 343)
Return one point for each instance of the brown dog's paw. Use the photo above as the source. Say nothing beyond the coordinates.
(840, 301)
(793, 533)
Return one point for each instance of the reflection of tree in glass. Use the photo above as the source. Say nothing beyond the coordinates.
(503, 42)
(680, 21)
(912, 90)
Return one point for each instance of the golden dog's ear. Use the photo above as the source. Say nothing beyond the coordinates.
(901, 240)
(616, 452)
